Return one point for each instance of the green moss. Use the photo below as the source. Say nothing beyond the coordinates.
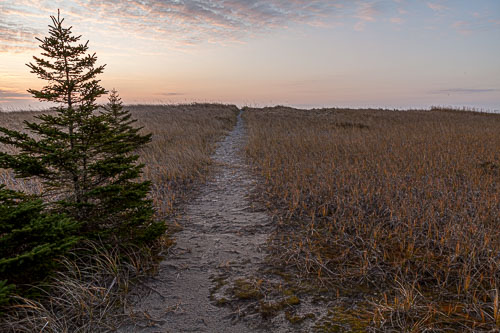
(268, 309)
(220, 282)
(221, 301)
(292, 300)
(341, 320)
(297, 319)
(244, 289)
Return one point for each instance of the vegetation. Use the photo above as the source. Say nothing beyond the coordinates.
(30, 240)
(84, 158)
(396, 211)
(85, 192)
(176, 160)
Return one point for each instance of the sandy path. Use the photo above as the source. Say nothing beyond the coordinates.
(221, 235)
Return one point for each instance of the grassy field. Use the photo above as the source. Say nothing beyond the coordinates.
(395, 212)
(176, 159)
(391, 215)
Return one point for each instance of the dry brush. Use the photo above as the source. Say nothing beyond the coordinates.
(401, 208)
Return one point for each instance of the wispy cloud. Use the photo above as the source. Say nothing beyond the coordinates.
(463, 91)
(186, 22)
(437, 6)
(397, 20)
(366, 12)
(7, 95)
(474, 24)
(15, 37)
(172, 94)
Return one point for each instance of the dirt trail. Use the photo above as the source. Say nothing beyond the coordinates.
(222, 235)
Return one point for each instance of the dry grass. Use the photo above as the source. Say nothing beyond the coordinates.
(176, 159)
(400, 208)
(89, 293)
(184, 138)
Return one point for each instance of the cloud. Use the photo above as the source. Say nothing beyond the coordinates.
(463, 27)
(436, 6)
(396, 20)
(179, 23)
(463, 91)
(195, 21)
(360, 26)
(172, 94)
(7, 95)
(15, 37)
(176, 23)
(366, 12)
(477, 23)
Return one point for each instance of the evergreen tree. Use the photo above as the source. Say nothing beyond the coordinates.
(121, 122)
(84, 158)
(30, 241)
(121, 197)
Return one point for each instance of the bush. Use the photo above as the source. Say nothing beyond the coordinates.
(30, 241)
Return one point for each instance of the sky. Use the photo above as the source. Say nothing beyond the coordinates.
(303, 53)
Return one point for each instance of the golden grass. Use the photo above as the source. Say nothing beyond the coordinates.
(400, 207)
(184, 137)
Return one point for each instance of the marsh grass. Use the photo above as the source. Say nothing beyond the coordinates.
(89, 292)
(400, 208)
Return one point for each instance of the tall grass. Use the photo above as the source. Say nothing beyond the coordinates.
(402, 208)
(177, 158)
(184, 138)
(89, 293)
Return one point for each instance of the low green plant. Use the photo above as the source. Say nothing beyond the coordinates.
(30, 242)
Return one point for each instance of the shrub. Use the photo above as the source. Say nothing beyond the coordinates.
(30, 241)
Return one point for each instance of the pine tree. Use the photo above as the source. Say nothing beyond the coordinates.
(121, 196)
(121, 122)
(84, 157)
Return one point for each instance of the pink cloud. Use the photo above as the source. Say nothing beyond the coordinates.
(181, 22)
(436, 6)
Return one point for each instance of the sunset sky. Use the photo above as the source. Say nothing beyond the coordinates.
(387, 53)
